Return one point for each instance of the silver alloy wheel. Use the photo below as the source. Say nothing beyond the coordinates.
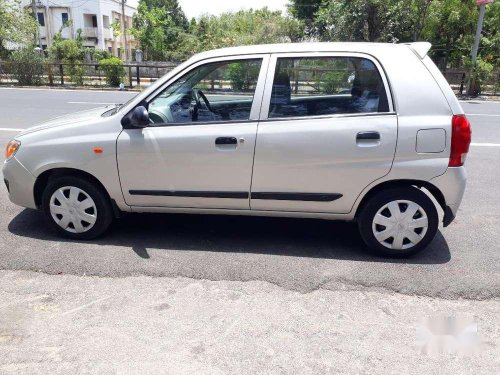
(400, 224)
(73, 209)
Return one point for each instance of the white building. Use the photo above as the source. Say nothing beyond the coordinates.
(93, 17)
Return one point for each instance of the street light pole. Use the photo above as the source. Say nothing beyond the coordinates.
(475, 46)
(479, 29)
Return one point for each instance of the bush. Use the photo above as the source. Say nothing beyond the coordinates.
(333, 82)
(71, 53)
(113, 69)
(99, 54)
(481, 73)
(76, 71)
(242, 75)
(27, 66)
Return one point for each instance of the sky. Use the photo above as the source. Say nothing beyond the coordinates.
(195, 8)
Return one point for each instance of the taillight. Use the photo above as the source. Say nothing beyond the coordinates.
(460, 140)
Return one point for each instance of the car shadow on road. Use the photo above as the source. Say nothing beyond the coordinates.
(233, 234)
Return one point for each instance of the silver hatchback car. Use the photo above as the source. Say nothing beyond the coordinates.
(343, 131)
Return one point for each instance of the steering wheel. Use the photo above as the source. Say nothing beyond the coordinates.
(197, 94)
(157, 117)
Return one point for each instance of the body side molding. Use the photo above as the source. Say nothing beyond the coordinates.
(305, 197)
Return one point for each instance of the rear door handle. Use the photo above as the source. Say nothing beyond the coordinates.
(226, 141)
(368, 136)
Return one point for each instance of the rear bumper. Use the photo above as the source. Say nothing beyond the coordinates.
(20, 183)
(452, 186)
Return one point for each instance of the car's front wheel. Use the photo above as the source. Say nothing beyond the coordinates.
(76, 208)
(398, 222)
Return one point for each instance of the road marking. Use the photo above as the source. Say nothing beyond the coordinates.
(11, 129)
(69, 90)
(481, 114)
(90, 103)
(485, 144)
(478, 101)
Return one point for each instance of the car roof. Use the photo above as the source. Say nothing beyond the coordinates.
(362, 47)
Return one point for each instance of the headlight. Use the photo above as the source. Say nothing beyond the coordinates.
(11, 149)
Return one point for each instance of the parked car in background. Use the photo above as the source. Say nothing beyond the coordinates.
(342, 131)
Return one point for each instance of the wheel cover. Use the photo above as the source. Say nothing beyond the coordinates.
(400, 224)
(73, 209)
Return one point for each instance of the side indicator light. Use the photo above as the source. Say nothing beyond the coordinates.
(11, 149)
(98, 150)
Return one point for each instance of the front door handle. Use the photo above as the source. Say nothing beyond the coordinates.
(368, 136)
(226, 141)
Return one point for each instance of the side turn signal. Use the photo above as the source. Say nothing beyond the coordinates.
(11, 149)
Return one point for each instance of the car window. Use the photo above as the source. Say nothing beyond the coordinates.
(307, 86)
(214, 92)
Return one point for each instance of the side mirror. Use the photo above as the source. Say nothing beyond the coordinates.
(138, 118)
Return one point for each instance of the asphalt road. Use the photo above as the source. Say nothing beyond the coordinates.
(299, 255)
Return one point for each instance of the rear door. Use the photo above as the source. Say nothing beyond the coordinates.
(327, 130)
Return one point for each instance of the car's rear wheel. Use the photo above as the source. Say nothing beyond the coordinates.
(398, 222)
(76, 208)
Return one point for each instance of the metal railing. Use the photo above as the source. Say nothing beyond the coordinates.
(86, 74)
(458, 78)
(135, 75)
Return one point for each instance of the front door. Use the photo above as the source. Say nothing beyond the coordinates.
(328, 130)
(198, 150)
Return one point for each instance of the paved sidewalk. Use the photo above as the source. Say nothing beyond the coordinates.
(61, 324)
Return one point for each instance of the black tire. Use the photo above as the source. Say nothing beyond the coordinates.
(382, 198)
(104, 215)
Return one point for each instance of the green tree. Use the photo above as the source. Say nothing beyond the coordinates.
(448, 24)
(305, 10)
(450, 28)
(363, 20)
(247, 27)
(160, 26)
(17, 26)
(370, 20)
(173, 9)
(490, 41)
(163, 35)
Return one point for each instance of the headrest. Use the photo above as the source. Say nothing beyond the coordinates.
(282, 90)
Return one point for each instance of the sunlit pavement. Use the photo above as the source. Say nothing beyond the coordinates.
(215, 294)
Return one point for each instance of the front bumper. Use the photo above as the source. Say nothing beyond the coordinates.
(452, 186)
(20, 183)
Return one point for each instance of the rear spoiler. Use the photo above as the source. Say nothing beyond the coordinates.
(420, 48)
